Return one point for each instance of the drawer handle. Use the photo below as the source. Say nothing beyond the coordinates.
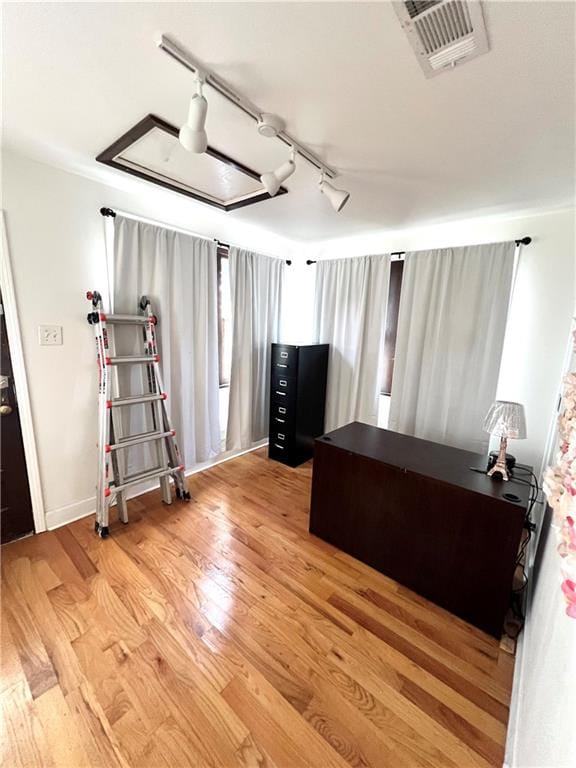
(282, 421)
(281, 393)
(281, 365)
(280, 436)
(283, 383)
(284, 355)
(281, 408)
(279, 446)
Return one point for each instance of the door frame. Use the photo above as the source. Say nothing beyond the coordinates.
(21, 381)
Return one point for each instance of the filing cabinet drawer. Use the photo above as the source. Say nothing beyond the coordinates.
(281, 417)
(284, 359)
(283, 389)
(283, 437)
(283, 383)
(282, 396)
(283, 369)
(282, 410)
(281, 448)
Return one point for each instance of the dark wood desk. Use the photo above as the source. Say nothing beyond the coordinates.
(415, 511)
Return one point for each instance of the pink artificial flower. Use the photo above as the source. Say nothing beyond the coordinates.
(567, 537)
(569, 591)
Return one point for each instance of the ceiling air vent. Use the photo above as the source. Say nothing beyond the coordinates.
(443, 33)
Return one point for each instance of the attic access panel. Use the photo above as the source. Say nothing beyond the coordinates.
(151, 151)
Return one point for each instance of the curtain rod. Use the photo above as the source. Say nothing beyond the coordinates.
(112, 214)
(521, 241)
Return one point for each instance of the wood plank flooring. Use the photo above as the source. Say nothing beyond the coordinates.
(220, 633)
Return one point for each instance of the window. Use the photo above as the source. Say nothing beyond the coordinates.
(224, 317)
(396, 270)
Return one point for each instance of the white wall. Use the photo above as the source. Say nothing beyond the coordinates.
(539, 317)
(298, 300)
(56, 240)
(542, 726)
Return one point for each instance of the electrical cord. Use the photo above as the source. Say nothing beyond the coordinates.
(527, 471)
(518, 594)
(513, 626)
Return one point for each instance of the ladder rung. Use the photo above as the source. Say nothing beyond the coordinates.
(116, 401)
(137, 434)
(142, 476)
(128, 359)
(127, 319)
(147, 437)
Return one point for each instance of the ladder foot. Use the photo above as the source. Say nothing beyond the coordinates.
(103, 531)
(96, 526)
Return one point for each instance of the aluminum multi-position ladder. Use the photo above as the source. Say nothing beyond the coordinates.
(113, 480)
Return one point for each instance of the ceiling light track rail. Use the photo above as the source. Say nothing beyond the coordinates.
(111, 213)
(209, 78)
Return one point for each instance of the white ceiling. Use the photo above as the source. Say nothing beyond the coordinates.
(495, 135)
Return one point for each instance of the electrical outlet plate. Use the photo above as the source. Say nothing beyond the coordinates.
(49, 335)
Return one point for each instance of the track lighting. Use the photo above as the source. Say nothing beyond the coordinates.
(272, 180)
(193, 134)
(337, 197)
(270, 125)
(267, 123)
(193, 137)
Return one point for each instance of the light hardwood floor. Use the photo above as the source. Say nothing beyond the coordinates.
(220, 633)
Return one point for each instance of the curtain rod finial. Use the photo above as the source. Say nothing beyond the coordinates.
(108, 212)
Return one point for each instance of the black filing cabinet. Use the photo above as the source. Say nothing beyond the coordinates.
(297, 399)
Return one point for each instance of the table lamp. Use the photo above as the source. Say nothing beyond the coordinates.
(505, 419)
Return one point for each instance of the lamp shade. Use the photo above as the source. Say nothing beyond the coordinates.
(192, 135)
(272, 180)
(506, 419)
(337, 197)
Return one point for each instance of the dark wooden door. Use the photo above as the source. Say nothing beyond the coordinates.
(16, 517)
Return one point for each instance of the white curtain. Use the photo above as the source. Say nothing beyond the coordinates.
(349, 315)
(452, 318)
(256, 294)
(178, 273)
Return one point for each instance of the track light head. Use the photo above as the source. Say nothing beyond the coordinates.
(272, 180)
(192, 135)
(270, 125)
(337, 197)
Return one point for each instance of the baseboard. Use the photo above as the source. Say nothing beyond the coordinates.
(64, 515)
(56, 518)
